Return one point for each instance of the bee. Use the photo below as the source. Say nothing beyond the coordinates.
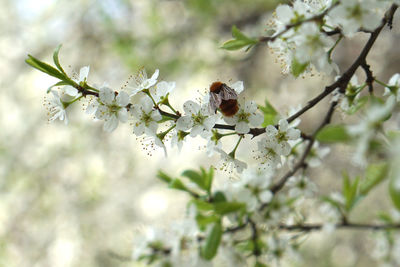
(224, 98)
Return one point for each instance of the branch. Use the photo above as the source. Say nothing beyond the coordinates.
(356, 226)
(302, 162)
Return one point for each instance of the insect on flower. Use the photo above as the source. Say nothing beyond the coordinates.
(223, 97)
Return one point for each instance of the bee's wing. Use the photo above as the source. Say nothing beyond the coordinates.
(215, 101)
(227, 93)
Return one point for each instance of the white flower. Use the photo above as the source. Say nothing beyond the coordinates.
(56, 108)
(146, 116)
(352, 15)
(214, 142)
(112, 108)
(83, 74)
(244, 117)
(161, 90)
(301, 186)
(141, 82)
(178, 138)
(281, 136)
(311, 46)
(394, 83)
(229, 162)
(365, 130)
(196, 118)
(258, 181)
(316, 154)
(266, 153)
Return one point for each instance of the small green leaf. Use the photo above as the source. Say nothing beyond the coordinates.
(333, 134)
(375, 174)
(209, 179)
(394, 190)
(210, 248)
(57, 84)
(237, 34)
(164, 177)
(237, 44)
(177, 184)
(298, 68)
(350, 191)
(203, 221)
(202, 205)
(55, 59)
(219, 197)
(196, 178)
(228, 207)
(46, 68)
(270, 114)
(259, 264)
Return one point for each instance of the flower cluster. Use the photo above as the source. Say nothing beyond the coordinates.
(308, 40)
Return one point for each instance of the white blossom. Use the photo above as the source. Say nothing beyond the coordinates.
(56, 108)
(352, 15)
(281, 137)
(197, 118)
(311, 46)
(229, 162)
(245, 117)
(146, 117)
(301, 186)
(365, 130)
(266, 153)
(394, 85)
(83, 75)
(111, 108)
(141, 82)
(161, 90)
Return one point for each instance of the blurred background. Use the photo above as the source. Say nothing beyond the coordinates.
(77, 196)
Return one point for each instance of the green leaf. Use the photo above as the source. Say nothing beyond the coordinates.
(237, 44)
(177, 184)
(228, 207)
(394, 190)
(210, 248)
(270, 114)
(57, 84)
(202, 205)
(237, 34)
(209, 179)
(259, 264)
(203, 221)
(375, 174)
(333, 134)
(164, 177)
(46, 68)
(350, 191)
(219, 197)
(55, 59)
(298, 68)
(196, 178)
